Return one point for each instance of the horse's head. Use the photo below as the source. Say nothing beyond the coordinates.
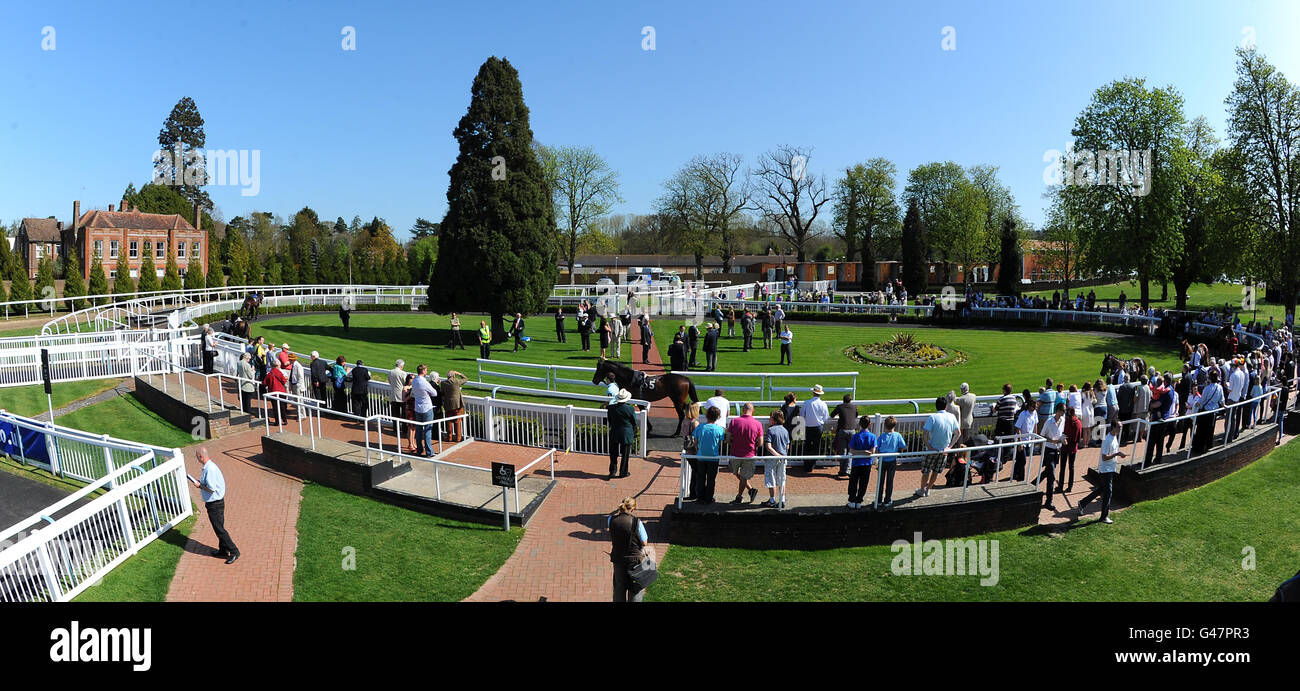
(602, 367)
(1107, 364)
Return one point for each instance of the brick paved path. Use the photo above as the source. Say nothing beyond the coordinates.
(262, 518)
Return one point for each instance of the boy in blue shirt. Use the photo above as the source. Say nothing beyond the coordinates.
(888, 445)
(708, 439)
(861, 444)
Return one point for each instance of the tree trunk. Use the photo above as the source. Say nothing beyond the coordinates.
(1180, 293)
(868, 278)
(499, 329)
(573, 252)
(1164, 291)
(1146, 289)
(699, 267)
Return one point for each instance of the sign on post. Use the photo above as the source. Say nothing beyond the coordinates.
(45, 368)
(503, 476)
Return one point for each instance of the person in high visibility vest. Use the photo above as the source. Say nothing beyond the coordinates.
(484, 341)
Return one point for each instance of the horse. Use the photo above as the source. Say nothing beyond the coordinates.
(1134, 367)
(249, 308)
(1185, 350)
(676, 387)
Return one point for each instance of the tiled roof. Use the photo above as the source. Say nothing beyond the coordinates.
(133, 220)
(42, 230)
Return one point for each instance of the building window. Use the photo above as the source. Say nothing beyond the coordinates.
(113, 249)
(40, 252)
(135, 273)
(99, 248)
(135, 250)
(159, 250)
(112, 273)
(195, 247)
(180, 250)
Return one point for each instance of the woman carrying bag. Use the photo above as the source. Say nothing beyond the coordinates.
(633, 560)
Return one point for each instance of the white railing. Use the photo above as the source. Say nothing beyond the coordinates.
(1246, 414)
(577, 430)
(765, 384)
(146, 496)
(78, 357)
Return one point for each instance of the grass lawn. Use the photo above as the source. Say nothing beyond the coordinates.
(30, 400)
(19, 331)
(1199, 296)
(1187, 547)
(400, 555)
(124, 417)
(1024, 358)
(147, 576)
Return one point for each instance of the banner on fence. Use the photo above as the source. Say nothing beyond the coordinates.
(31, 448)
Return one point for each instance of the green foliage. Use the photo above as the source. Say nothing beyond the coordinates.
(216, 277)
(194, 278)
(148, 280)
(915, 268)
(184, 129)
(20, 286)
(497, 242)
(237, 256)
(424, 254)
(1009, 266)
(44, 287)
(172, 274)
(98, 281)
(122, 283)
(164, 199)
(74, 284)
(865, 212)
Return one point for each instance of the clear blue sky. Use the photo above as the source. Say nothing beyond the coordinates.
(369, 132)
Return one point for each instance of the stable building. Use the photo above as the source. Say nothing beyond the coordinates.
(38, 238)
(110, 234)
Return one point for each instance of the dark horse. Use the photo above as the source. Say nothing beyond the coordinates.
(1135, 367)
(235, 326)
(680, 389)
(251, 303)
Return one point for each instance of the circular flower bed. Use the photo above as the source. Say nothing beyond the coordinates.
(903, 350)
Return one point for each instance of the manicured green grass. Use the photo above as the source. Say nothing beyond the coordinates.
(30, 400)
(1200, 296)
(147, 576)
(1189, 547)
(124, 417)
(1023, 358)
(19, 331)
(399, 555)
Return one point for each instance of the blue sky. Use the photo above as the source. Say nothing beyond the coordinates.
(368, 132)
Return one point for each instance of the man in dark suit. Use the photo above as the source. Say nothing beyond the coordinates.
(677, 354)
(647, 338)
(518, 331)
(747, 329)
(766, 318)
(711, 347)
(622, 432)
(319, 377)
(559, 324)
(584, 329)
(692, 342)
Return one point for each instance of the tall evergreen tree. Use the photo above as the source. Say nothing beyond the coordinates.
(183, 132)
(98, 282)
(148, 281)
(215, 277)
(20, 286)
(44, 288)
(238, 261)
(915, 270)
(496, 249)
(194, 278)
(122, 283)
(1009, 265)
(74, 284)
(172, 275)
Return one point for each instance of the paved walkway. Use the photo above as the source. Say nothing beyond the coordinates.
(262, 518)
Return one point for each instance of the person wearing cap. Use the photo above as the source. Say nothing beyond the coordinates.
(966, 407)
(815, 416)
(283, 355)
(711, 347)
(622, 432)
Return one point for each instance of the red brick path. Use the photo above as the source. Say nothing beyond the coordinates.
(262, 518)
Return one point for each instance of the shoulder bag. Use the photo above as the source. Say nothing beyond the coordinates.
(647, 572)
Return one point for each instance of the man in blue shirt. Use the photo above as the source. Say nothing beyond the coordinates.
(708, 439)
(888, 446)
(212, 488)
(940, 428)
(861, 445)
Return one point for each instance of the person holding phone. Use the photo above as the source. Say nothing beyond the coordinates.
(1106, 467)
(212, 489)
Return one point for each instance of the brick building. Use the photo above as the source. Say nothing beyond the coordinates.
(111, 233)
(38, 238)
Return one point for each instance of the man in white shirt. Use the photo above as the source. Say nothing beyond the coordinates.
(423, 392)
(1054, 433)
(1026, 423)
(942, 431)
(722, 404)
(397, 391)
(815, 416)
(212, 489)
(1236, 392)
(1106, 468)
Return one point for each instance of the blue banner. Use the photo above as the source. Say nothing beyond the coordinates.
(33, 443)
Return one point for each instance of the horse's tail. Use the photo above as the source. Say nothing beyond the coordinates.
(694, 397)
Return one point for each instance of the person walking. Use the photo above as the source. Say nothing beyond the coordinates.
(247, 384)
(212, 490)
(708, 445)
(731, 321)
(744, 439)
(815, 417)
(320, 376)
(862, 445)
(1106, 469)
(559, 325)
(647, 338)
(455, 341)
(787, 337)
(453, 404)
(627, 533)
(484, 341)
(888, 446)
(711, 347)
(360, 379)
(1069, 450)
(345, 315)
(622, 432)
(777, 446)
(1054, 432)
(518, 330)
(692, 341)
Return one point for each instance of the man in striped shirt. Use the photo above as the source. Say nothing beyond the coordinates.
(1006, 412)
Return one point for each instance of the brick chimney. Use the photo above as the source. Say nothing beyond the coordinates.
(198, 219)
(110, 207)
(76, 213)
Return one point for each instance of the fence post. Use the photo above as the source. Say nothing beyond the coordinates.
(52, 449)
(489, 420)
(47, 570)
(568, 428)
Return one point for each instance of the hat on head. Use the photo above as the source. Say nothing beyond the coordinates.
(623, 396)
(817, 389)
